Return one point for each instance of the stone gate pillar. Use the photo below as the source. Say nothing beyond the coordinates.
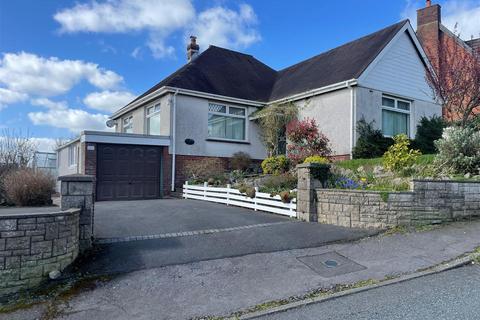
(77, 191)
(306, 194)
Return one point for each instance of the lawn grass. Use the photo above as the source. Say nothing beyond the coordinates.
(370, 163)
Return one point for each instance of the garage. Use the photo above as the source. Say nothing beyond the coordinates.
(128, 172)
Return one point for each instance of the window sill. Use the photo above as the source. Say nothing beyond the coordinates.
(227, 140)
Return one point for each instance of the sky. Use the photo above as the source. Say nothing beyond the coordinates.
(65, 66)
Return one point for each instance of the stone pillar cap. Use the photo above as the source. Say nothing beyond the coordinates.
(77, 177)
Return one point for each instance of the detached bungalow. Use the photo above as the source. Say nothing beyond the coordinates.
(204, 110)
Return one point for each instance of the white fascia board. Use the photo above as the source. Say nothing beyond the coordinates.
(406, 28)
(318, 91)
(124, 138)
(68, 144)
(163, 90)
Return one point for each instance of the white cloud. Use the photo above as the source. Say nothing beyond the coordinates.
(158, 47)
(108, 101)
(44, 102)
(8, 97)
(227, 28)
(137, 53)
(464, 13)
(161, 18)
(45, 144)
(74, 120)
(30, 74)
(119, 16)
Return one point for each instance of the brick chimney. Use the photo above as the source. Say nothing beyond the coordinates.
(428, 29)
(192, 48)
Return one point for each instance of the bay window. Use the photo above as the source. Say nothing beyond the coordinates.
(225, 122)
(153, 119)
(395, 116)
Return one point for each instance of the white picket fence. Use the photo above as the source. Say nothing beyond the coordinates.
(230, 196)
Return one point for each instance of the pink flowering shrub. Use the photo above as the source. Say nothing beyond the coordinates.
(305, 140)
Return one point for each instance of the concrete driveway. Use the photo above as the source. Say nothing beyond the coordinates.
(134, 235)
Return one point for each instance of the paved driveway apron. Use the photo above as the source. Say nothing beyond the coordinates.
(133, 235)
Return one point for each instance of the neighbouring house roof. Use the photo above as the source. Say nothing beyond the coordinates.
(229, 73)
(474, 44)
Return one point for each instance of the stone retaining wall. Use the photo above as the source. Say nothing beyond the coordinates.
(34, 244)
(429, 202)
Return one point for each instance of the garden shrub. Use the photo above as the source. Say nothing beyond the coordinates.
(247, 190)
(276, 184)
(240, 161)
(286, 196)
(316, 159)
(399, 156)
(370, 143)
(458, 151)
(275, 165)
(304, 140)
(428, 131)
(26, 187)
(203, 169)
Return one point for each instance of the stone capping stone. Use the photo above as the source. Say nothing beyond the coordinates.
(447, 181)
(22, 215)
(77, 177)
(363, 191)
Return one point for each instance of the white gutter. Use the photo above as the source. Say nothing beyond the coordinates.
(353, 115)
(173, 141)
(313, 92)
(163, 90)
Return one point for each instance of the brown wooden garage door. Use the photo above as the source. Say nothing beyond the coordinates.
(128, 172)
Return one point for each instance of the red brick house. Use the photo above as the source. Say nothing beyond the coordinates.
(435, 37)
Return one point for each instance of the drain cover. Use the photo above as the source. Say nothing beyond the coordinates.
(330, 264)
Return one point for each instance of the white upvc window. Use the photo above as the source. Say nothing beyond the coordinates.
(127, 125)
(395, 116)
(227, 122)
(72, 155)
(153, 119)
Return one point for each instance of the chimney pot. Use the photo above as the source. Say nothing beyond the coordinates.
(192, 48)
(429, 3)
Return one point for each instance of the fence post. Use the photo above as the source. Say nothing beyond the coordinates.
(255, 199)
(185, 190)
(205, 186)
(228, 193)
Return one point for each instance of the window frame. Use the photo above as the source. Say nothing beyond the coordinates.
(227, 114)
(395, 108)
(154, 113)
(72, 157)
(130, 124)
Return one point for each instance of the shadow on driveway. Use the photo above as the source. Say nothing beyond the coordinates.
(145, 254)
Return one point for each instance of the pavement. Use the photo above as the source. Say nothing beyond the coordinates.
(220, 287)
(453, 294)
